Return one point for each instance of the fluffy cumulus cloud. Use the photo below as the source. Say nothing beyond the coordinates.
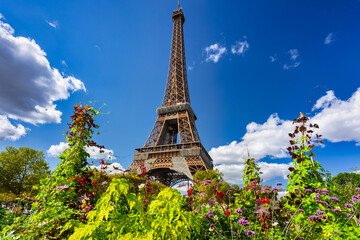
(339, 120)
(29, 86)
(9, 131)
(214, 52)
(294, 59)
(240, 47)
(329, 38)
(268, 139)
(56, 150)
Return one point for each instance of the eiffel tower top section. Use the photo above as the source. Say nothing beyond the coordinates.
(176, 91)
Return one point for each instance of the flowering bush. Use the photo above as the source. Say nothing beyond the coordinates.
(78, 202)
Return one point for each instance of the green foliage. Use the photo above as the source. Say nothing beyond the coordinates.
(120, 214)
(69, 193)
(21, 169)
(252, 172)
(208, 183)
(75, 202)
(345, 185)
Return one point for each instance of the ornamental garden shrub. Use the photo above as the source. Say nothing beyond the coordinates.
(80, 202)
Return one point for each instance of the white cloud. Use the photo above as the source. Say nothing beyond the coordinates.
(214, 52)
(338, 121)
(56, 150)
(9, 131)
(29, 86)
(329, 38)
(53, 24)
(325, 101)
(191, 67)
(272, 58)
(233, 173)
(2, 16)
(240, 47)
(268, 139)
(64, 63)
(294, 62)
(112, 168)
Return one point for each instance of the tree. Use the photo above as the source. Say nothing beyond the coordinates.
(345, 185)
(22, 168)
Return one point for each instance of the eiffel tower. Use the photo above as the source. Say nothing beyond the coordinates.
(173, 151)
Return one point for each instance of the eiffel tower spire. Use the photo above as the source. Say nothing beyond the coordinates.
(173, 151)
(176, 90)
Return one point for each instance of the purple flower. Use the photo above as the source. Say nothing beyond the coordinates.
(317, 190)
(205, 216)
(275, 189)
(315, 218)
(337, 210)
(228, 192)
(319, 212)
(308, 190)
(249, 233)
(348, 205)
(296, 189)
(355, 199)
(207, 182)
(334, 199)
(336, 232)
(210, 213)
(257, 213)
(244, 222)
(317, 195)
(301, 237)
(358, 188)
(323, 216)
(199, 209)
(323, 203)
(239, 211)
(324, 191)
(300, 210)
(278, 184)
(348, 215)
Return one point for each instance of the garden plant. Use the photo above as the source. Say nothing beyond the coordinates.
(77, 201)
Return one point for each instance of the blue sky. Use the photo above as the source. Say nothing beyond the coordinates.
(248, 62)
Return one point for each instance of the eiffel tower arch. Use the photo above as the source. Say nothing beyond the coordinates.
(173, 151)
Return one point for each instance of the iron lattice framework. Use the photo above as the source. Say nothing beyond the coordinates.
(173, 151)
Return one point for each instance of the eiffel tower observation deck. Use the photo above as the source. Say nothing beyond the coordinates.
(173, 151)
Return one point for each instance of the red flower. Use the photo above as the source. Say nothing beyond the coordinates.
(94, 183)
(254, 183)
(102, 161)
(227, 213)
(143, 171)
(82, 182)
(188, 192)
(262, 218)
(220, 194)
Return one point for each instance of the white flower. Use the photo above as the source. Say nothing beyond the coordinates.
(141, 186)
(216, 217)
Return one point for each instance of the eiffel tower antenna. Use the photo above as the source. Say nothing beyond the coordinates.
(173, 151)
